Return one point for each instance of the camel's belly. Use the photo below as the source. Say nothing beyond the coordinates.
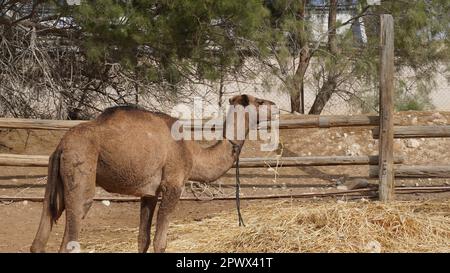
(131, 179)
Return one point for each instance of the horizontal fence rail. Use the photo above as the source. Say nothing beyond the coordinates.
(307, 121)
(416, 171)
(38, 124)
(24, 160)
(358, 193)
(256, 162)
(419, 131)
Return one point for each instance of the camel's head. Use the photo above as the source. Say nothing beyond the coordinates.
(254, 112)
(246, 100)
(260, 105)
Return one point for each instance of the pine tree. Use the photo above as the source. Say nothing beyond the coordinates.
(171, 40)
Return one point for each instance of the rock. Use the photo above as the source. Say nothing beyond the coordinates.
(356, 183)
(437, 115)
(437, 118)
(353, 150)
(338, 134)
(342, 188)
(106, 203)
(413, 121)
(412, 143)
(25, 202)
(338, 181)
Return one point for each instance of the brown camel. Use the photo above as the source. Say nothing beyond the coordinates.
(129, 151)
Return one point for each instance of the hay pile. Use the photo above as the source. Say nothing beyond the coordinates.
(312, 227)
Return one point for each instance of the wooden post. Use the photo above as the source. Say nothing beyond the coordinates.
(386, 144)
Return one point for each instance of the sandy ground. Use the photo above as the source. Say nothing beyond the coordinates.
(20, 221)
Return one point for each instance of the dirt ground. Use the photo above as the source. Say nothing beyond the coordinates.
(19, 220)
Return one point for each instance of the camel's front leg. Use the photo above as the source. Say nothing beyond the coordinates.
(170, 196)
(148, 204)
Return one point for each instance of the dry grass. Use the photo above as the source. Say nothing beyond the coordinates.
(309, 227)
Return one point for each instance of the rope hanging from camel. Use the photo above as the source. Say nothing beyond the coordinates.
(237, 149)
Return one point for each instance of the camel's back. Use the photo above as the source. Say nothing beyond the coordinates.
(134, 127)
(126, 133)
(132, 113)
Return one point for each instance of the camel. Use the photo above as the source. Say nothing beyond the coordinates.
(128, 150)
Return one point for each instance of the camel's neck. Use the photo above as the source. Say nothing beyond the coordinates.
(211, 163)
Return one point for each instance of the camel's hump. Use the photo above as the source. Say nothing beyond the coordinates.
(132, 108)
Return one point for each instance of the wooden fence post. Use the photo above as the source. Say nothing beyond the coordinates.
(386, 142)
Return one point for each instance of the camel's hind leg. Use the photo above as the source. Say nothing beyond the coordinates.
(148, 204)
(170, 195)
(78, 172)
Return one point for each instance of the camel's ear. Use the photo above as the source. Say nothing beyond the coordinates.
(260, 101)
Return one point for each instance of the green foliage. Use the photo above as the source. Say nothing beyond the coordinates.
(171, 39)
(418, 100)
(408, 105)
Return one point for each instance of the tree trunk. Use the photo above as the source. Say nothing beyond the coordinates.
(221, 91)
(324, 95)
(330, 84)
(297, 92)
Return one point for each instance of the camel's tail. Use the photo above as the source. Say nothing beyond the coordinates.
(53, 205)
